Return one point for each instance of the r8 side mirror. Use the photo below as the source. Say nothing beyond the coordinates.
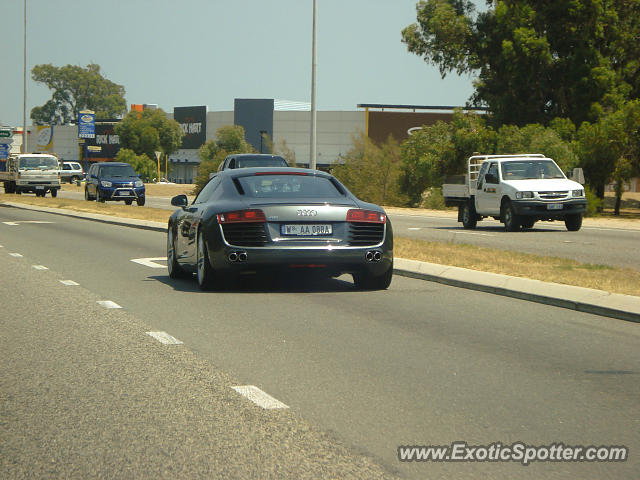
(180, 201)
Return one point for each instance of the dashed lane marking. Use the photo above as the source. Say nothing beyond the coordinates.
(150, 262)
(108, 304)
(164, 337)
(17, 255)
(69, 283)
(259, 397)
(39, 267)
(20, 222)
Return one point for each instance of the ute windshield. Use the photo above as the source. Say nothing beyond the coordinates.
(530, 170)
(117, 171)
(38, 163)
(288, 186)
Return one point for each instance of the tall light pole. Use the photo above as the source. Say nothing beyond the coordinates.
(24, 86)
(314, 60)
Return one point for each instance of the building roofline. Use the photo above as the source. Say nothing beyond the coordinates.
(419, 107)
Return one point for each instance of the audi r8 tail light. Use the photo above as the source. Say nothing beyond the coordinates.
(244, 216)
(367, 216)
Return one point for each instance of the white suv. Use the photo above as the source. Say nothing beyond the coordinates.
(71, 172)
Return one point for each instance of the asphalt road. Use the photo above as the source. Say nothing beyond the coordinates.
(419, 364)
(606, 246)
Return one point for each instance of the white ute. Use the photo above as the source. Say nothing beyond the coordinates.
(518, 190)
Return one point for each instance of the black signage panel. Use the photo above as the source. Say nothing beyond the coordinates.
(193, 121)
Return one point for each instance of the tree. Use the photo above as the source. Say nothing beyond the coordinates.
(149, 131)
(142, 164)
(433, 152)
(535, 60)
(229, 139)
(371, 172)
(610, 149)
(74, 89)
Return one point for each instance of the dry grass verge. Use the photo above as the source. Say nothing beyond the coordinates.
(152, 189)
(547, 269)
(113, 209)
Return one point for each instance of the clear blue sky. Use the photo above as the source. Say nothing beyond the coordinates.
(208, 52)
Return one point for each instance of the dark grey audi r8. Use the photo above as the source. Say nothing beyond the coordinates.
(253, 220)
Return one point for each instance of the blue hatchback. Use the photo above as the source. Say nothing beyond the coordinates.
(114, 181)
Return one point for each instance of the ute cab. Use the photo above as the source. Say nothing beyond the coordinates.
(32, 173)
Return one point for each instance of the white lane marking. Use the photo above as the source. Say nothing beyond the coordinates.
(108, 304)
(477, 233)
(150, 262)
(40, 267)
(414, 228)
(1, 246)
(69, 283)
(19, 222)
(259, 397)
(17, 255)
(164, 337)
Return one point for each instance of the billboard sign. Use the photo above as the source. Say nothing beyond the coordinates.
(193, 121)
(86, 124)
(45, 138)
(106, 138)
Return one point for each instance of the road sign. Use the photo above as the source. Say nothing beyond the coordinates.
(4, 150)
(6, 134)
(86, 124)
(94, 148)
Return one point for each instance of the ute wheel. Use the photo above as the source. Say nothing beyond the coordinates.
(527, 224)
(205, 273)
(175, 270)
(362, 281)
(54, 192)
(509, 218)
(469, 216)
(573, 222)
(140, 201)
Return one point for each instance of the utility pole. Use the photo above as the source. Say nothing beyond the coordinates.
(24, 86)
(314, 60)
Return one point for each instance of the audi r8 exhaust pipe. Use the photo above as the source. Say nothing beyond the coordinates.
(373, 256)
(369, 256)
(377, 256)
(233, 257)
(242, 256)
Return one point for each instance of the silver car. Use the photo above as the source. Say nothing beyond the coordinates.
(252, 220)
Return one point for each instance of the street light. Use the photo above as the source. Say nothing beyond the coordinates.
(24, 85)
(314, 58)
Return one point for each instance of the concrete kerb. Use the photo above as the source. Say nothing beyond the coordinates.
(598, 302)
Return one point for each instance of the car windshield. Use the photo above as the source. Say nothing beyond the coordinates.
(117, 171)
(288, 186)
(38, 163)
(531, 169)
(261, 162)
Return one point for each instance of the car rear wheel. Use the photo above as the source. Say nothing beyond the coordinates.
(140, 201)
(205, 273)
(363, 281)
(469, 216)
(175, 270)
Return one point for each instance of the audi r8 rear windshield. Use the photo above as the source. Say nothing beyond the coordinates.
(288, 186)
